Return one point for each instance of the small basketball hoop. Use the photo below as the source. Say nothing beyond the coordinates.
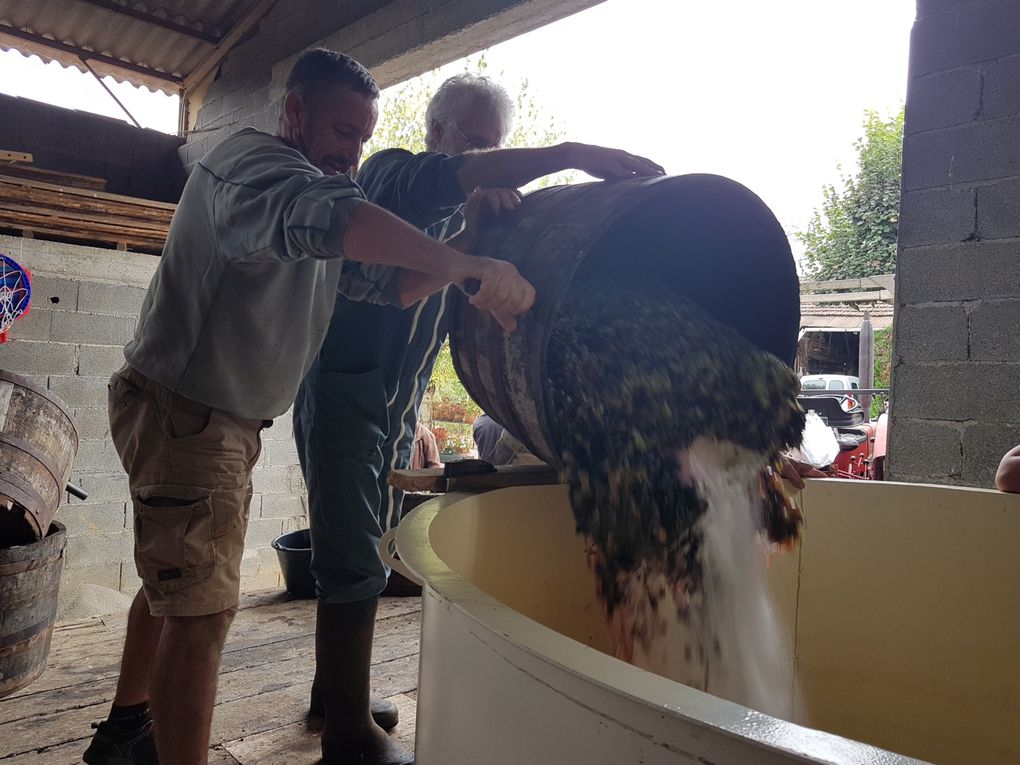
(15, 293)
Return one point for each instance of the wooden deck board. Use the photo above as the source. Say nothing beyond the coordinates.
(294, 745)
(265, 679)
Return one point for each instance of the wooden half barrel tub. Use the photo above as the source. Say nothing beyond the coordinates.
(38, 443)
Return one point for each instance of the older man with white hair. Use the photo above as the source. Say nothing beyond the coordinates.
(356, 413)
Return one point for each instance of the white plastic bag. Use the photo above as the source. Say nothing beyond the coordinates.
(819, 447)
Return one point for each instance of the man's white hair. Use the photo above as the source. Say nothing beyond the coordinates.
(460, 95)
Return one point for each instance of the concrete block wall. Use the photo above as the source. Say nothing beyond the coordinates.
(956, 375)
(85, 303)
(135, 162)
(395, 39)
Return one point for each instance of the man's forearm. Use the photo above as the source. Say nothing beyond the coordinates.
(511, 168)
(462, 242)
(413, 286)
(374, 235)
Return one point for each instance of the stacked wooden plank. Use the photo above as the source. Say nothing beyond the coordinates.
(19, 170)
(50, 204)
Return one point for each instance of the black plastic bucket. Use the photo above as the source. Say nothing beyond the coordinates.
(294, 551)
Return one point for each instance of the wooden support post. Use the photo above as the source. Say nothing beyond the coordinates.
(866, 362)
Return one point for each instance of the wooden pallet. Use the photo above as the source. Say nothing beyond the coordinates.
(33, 173)
(35, 207)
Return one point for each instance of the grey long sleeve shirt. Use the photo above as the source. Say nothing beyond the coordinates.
(242, 297)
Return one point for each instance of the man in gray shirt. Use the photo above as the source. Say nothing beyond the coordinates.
(268, 230)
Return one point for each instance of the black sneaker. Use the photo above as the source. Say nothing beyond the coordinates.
(112, 746)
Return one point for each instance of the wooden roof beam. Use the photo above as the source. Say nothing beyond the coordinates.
(255, 12)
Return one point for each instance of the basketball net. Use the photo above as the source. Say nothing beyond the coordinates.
(15, 293)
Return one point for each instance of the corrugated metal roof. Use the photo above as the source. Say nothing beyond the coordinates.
(112, 31)
(844, 317)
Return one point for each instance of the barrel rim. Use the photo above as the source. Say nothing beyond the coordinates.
(55, 541)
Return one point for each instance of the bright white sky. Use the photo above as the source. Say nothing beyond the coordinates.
(771, 94)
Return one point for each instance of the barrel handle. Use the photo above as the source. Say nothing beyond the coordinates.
(395, 563)
(76, 491)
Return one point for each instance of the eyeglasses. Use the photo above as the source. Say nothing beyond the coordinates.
(478, 144)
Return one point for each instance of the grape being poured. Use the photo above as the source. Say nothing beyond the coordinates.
(669, 425)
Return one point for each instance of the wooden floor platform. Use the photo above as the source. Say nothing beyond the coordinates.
(265, 679)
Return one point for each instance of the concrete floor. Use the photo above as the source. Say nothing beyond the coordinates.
(263, 693)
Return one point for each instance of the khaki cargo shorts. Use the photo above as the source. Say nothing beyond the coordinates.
(189, 470)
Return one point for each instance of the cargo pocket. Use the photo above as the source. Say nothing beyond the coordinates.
(201, 440)
(186, 420)
(174, 546)
(131, 412)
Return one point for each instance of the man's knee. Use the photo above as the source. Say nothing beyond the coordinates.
(211, 627)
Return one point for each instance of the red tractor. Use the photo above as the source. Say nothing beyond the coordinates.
(861, 444)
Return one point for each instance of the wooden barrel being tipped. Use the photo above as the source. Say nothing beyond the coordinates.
(707, 237)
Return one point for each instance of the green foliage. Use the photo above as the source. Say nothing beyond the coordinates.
(402, 115)
(452, 409)
(854, 232)
(448, 394)
(883, 368)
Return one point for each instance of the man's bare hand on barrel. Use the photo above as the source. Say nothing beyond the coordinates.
(502, 291)
(482, 203)
(613, 164)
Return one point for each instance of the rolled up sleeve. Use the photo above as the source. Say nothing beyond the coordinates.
(369, 282)
(314, 222)
(274, 205)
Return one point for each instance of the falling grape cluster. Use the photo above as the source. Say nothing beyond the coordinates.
(636, 376)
